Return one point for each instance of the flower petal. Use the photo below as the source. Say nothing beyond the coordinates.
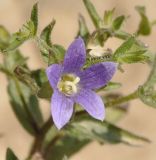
(53, 73)
(92, 103)
(75, 56)
(61, 109)
(97, 75)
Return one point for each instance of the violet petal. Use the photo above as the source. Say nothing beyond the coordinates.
(53, 73)
(75, 56)
(92, 103)
(61, 109)
(97, 75)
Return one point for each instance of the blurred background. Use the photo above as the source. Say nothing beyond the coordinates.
(140, 119)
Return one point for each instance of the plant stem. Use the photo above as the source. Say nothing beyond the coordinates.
(121, 100)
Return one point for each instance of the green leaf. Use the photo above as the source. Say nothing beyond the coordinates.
(147, 92)
(4, 37)
(58, 52)
(117, 23)
(34, 17)
(144, 26)
(66, 146)
(25, 106)
(124, 47)
(51, 53)
(122, 35)
(27, 31)
(46, 33)
(104, 132)
(108, 17)
(23, 102)
(45, 43)
(83, 29)
(131, 51)
(93, 13)
(10, 155)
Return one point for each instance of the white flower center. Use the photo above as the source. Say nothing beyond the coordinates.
(68, 84)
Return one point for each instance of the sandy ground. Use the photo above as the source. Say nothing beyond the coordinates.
(141, 119)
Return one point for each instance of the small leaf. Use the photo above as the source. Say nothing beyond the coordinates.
(4, 37)
(27, 31)
(108, 16)
(117, 23)
(104, 132)
(34, 17)
(122, 35)
(131, 51)
(83, 29)
(93, 13)
(46, 33)
(51, 53)
(124, 47)
(144, 26)
(10, 155)
(58, 52)
(45, 43)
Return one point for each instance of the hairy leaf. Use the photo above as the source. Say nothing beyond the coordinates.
(27, 31)
(131, 51)
(104, 132)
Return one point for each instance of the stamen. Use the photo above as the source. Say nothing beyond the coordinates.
(68, 84)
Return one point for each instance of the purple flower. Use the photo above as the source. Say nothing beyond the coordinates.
(72, 85)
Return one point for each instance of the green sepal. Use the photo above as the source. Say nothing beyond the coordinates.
(10, 155)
